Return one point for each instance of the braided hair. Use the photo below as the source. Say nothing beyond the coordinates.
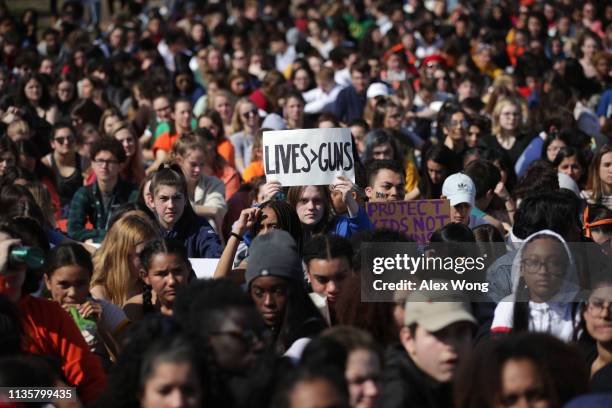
(152, 248)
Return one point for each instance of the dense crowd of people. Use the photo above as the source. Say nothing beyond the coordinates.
(131, 147)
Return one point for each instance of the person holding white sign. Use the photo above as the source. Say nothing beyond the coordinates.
(313, 206)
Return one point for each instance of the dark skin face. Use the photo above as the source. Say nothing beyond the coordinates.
(270, 294)
(543, 267)
(238, 339)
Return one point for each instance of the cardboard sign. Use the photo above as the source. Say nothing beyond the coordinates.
(308, 156)
(416, 218)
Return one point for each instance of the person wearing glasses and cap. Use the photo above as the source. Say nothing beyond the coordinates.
(95, 203)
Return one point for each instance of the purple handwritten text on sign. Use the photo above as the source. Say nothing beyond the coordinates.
(416, 218)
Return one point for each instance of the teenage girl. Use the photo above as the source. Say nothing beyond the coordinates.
(67, 276)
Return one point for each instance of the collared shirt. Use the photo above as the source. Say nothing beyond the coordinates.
(87, 206)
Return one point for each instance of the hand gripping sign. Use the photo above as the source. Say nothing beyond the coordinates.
(308, 156)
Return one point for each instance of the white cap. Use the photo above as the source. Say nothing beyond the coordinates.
(377, 89)
(459, 188)
(274, 121)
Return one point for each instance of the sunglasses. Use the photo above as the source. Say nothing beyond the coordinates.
(64, 139)
(250, 113)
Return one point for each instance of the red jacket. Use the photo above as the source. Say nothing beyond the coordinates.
(49, 330)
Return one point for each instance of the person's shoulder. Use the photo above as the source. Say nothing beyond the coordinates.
(83, 192)
(162, 127)
(37, 307)
(213, 182)
(98, 293)
(237, 137)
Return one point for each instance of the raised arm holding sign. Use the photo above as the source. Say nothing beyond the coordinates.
(308, 156)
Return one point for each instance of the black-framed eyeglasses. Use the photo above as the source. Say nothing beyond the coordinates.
(596, 306)
(554, 266)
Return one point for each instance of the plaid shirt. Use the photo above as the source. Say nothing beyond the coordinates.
(87, 206)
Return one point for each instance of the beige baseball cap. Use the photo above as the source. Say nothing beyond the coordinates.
(437, 309)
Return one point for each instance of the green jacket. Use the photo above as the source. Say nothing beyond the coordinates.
(87, 206)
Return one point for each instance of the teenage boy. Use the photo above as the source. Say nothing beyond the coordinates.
(167, 133)
(95, 203)
(328, 263)
(437, 333)
(386, 181)
(351, 101)
(459, 189)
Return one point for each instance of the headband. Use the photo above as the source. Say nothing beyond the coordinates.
(589, 225)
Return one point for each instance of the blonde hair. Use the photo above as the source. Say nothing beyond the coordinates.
(237, 123)
(212, 98)
(184, 144)
(257, 142)
(112, 260)
(118, 126)
(18, 125)
(495, 126)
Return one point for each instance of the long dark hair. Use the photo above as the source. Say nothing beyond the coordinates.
(442, 155)
(562, 370)
(377, 137)
(66, 254)
(566, 153)
(126, 377)
(288, 220)
(301, 318)
(152, 248)
(45, 98)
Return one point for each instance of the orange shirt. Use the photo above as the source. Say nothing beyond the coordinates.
(226, 150)
(164, 142)
(49, 330)
(255, 169)
(230, 178)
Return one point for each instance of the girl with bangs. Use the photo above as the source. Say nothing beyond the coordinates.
(116, 265)
(314, 208)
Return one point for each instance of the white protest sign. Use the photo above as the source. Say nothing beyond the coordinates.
(204, 268)
(308, 156)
